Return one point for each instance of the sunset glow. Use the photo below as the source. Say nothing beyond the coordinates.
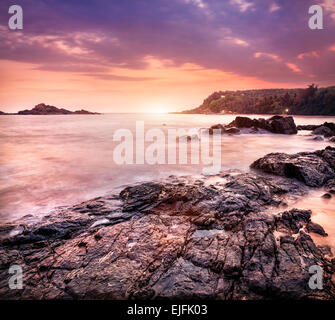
(136, 60)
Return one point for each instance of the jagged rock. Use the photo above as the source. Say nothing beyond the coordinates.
(312, 168)
(181, 238)
(330, 184)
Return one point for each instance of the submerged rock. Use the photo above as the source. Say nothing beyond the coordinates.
(324, 131)
(317, 138)
(309, 127)
(232, 130)
(326, 196)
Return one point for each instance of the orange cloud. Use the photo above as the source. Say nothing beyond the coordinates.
(313, 54)
(293, 67)
(268, 55)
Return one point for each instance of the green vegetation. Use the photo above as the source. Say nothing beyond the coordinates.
(309, 101)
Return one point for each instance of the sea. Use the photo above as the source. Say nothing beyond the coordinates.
(53, 161)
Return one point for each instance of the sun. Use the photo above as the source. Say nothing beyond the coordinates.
(160, 111)
(158, 107)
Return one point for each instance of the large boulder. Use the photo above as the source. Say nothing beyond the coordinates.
(312, 168)
(283, 125)
(244, 122)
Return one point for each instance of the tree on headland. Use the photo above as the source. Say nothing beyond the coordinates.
(309, 101)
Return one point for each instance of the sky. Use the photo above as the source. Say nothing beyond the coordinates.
(158, 55)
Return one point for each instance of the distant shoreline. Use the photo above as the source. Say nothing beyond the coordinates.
(43, 109)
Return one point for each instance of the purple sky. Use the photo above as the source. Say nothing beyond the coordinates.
(115, 42)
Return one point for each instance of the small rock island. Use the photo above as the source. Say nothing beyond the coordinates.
(44, 109)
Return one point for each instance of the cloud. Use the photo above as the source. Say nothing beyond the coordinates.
(238, 36)
(274, 7)
(242, 4)
(312, 54)
(114, 77)
(267, 55)
(293, 67)
(329, 5)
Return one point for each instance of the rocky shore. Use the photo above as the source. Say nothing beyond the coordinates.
(208, 238)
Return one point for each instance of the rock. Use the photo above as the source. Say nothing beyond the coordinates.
(312, 168)
(283, 125)
(82, 111)
(330, 184)
(188, 138)
(327, 129)
(317, 138)
(330, 125)
(217, 127)
(316, 228)
(324, 131)
(43, 109)
(309, 127)
(244, 122)
(327, 196)
(275, 124)
(232, 130)
(179, 238)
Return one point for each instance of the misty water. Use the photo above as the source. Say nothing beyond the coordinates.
(53, 161)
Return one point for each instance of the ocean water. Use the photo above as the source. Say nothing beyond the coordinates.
(52, 161)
